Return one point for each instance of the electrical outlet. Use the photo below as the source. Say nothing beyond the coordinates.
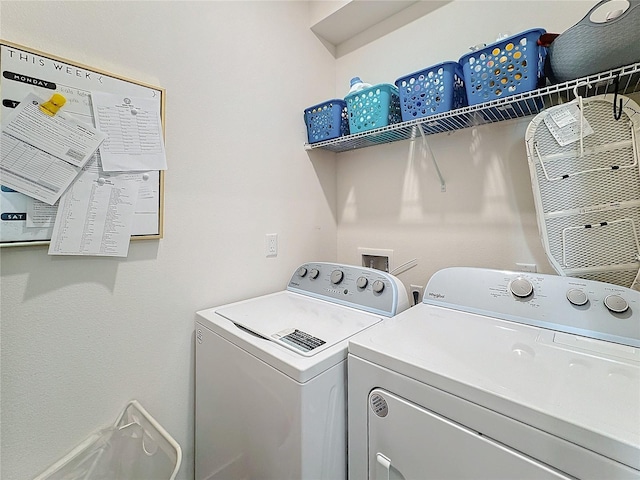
(417, 292)
(271, 245)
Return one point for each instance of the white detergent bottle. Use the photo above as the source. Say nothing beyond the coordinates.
(357, 85)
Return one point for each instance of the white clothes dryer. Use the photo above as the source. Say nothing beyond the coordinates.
(271, 371)
(499, 375)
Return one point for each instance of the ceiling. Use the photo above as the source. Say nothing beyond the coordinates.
(354, 18)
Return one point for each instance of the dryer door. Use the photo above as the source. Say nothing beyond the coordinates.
(407, 441)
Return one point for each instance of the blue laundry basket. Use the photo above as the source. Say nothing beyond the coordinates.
(436, 89)
(374, 107)
(507, 67)
(326, 121)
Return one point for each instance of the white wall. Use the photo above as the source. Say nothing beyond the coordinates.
(82, 336)
(389, 197)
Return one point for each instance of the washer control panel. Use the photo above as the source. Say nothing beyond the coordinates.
(359, 287)
(573, 305)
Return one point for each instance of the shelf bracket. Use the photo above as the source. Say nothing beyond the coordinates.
(443, 186)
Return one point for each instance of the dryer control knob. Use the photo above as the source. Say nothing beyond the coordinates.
(302, 271)
(336, 276)
(314, 273)
(378, 286)
(616, 303)
(577, 297)
(521, 287)
(362, 282)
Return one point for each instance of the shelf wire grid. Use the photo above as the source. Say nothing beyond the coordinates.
(508, 108)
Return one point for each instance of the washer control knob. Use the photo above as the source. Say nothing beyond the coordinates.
(362, 282)
(302, 271)
(314, 273)
(378, 286)
(336, 276)
(616, 303)
(521, 287)
(577, 297)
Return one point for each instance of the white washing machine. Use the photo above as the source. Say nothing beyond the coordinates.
(271, 374)
(499, 375)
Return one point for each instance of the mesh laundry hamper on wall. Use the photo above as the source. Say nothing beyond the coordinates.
(586, 184)
(136, 447)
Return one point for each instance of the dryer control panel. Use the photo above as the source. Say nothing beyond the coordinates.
(567, 304)
(358, 287)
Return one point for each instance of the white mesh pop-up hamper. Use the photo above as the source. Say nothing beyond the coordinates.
(136, 447)
(586, 184)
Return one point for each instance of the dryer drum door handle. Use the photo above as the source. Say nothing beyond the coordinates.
(383, 466)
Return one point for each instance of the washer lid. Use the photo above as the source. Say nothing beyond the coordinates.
(581, 389)
(304, 325)
(299, 335)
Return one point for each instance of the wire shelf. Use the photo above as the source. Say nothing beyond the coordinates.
(516, 106)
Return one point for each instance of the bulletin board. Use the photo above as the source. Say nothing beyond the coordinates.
(27, 71)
